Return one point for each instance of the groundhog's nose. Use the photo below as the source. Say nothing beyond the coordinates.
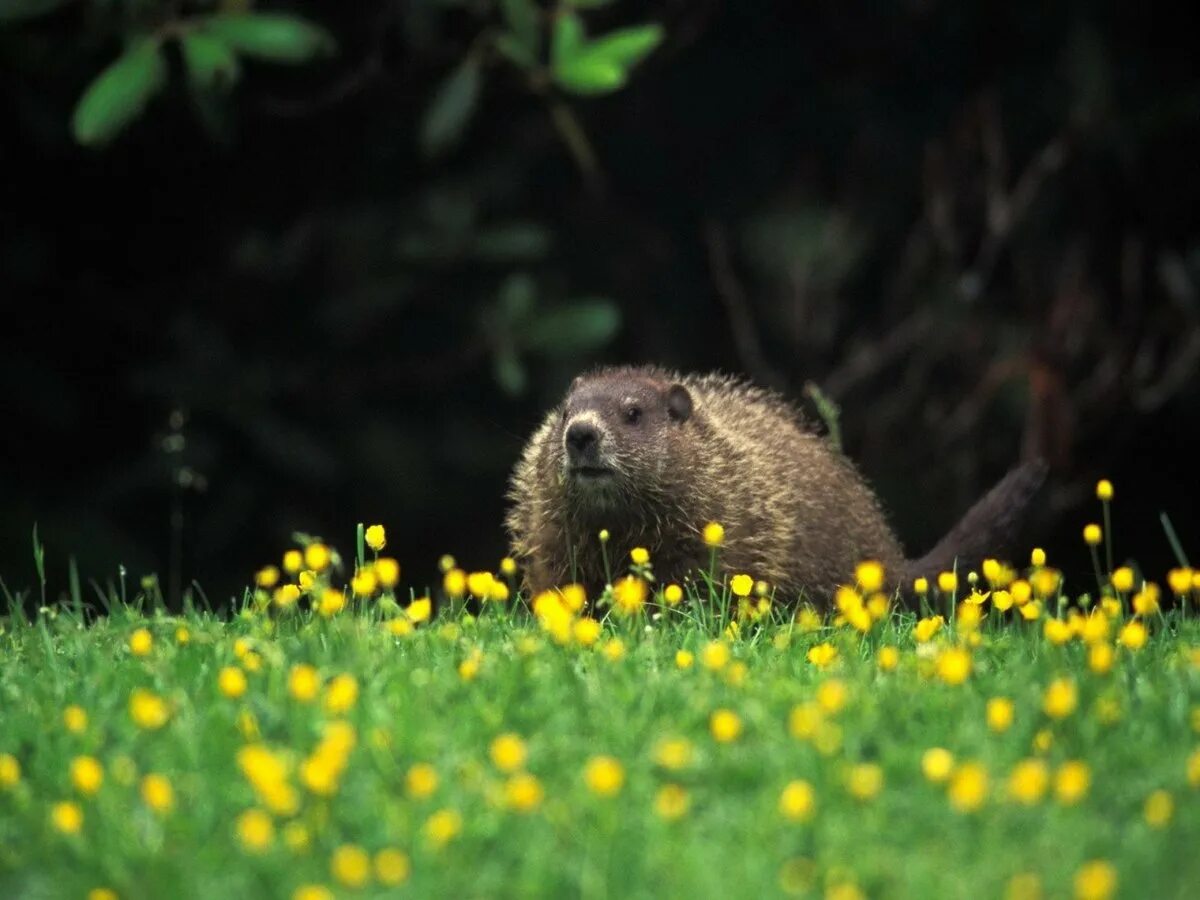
(582, 440)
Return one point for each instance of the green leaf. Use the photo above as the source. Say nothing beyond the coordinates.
(516, 298)
(522, 43)
(587, 75)
(568, 39)
(211, 63)
(579, 327)
(19, 10)
(274, 37)
(600, 66)
(627, 46)
(510, 372)
(118, 95)
(451, 109)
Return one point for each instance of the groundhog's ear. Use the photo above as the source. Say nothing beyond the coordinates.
(679, 403)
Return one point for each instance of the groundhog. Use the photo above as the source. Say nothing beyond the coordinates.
(651, 456)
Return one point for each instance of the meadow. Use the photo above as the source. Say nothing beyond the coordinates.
(343, 735)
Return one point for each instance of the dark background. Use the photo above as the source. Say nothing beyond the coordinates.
(973, 225)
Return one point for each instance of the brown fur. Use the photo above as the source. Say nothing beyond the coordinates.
(796, 513)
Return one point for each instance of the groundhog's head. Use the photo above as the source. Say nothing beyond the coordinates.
(619, 434)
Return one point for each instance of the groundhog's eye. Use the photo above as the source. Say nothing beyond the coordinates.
(633, 414)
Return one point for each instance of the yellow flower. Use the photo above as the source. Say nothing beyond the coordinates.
(807, 619)
(141, 642)
(317, 557)
(479, 584)
(332, 602)
(864, 780)
(999, 714)
(805, 721)
(603, 535)
(1145, 601)
(421, 780)
(392, 867)
(629, 593)
(741, 585)
(312, 892)
(1060, 698)
(341, 694)
(869, 575)
(822, 655)
(1095, 880)
(419, 610)
(613, 649)
(231, 681)
(921, 586)
(1092, 534)
(1104, 489)
(523, 793)
(953, 665)
(508, 567)
(640, 556)
(266, 577)
(1122, 579)
(1056, 631)
(714, 655)
(87, 774)
(1071, 782)
(454, 583)
(1038, 557)
(968, 787)
(304, 682)
(75, 719)
(673, 753)
(937, 763)
(376, 537)
(350, 865)
(586, 632)
(1191, 768)
(725, 725)
(387, 571)
(1002, 600)
(797, 801)
(969, 616)
(285, 596)
(469, 668)
(296, 837)
(66, 818)
(1132, 636)
(10, 771)
(157, 793)
(1179, 581)
(1046, 582)
(148, 710)
(1043, 740)
(714, 534)
(364, 583)
(293, 561)
(684, 659)
(102, 893)
(603, 775)
(888, 658)
(443, 827)
(1159, 808)
(832, 695)
(672, 594)
(1028, 781)
(947, 582)
(255, 830)
(1031, 611)
(306, 580)
(508, 752)
(1100, 658)
(671, 802)
(925, 629)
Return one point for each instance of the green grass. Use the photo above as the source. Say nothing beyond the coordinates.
(569, 703)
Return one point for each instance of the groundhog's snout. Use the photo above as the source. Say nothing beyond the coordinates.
(582, 441)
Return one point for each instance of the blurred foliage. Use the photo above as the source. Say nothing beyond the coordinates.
(261, 297)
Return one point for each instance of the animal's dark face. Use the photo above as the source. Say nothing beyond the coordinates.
(618, 437)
